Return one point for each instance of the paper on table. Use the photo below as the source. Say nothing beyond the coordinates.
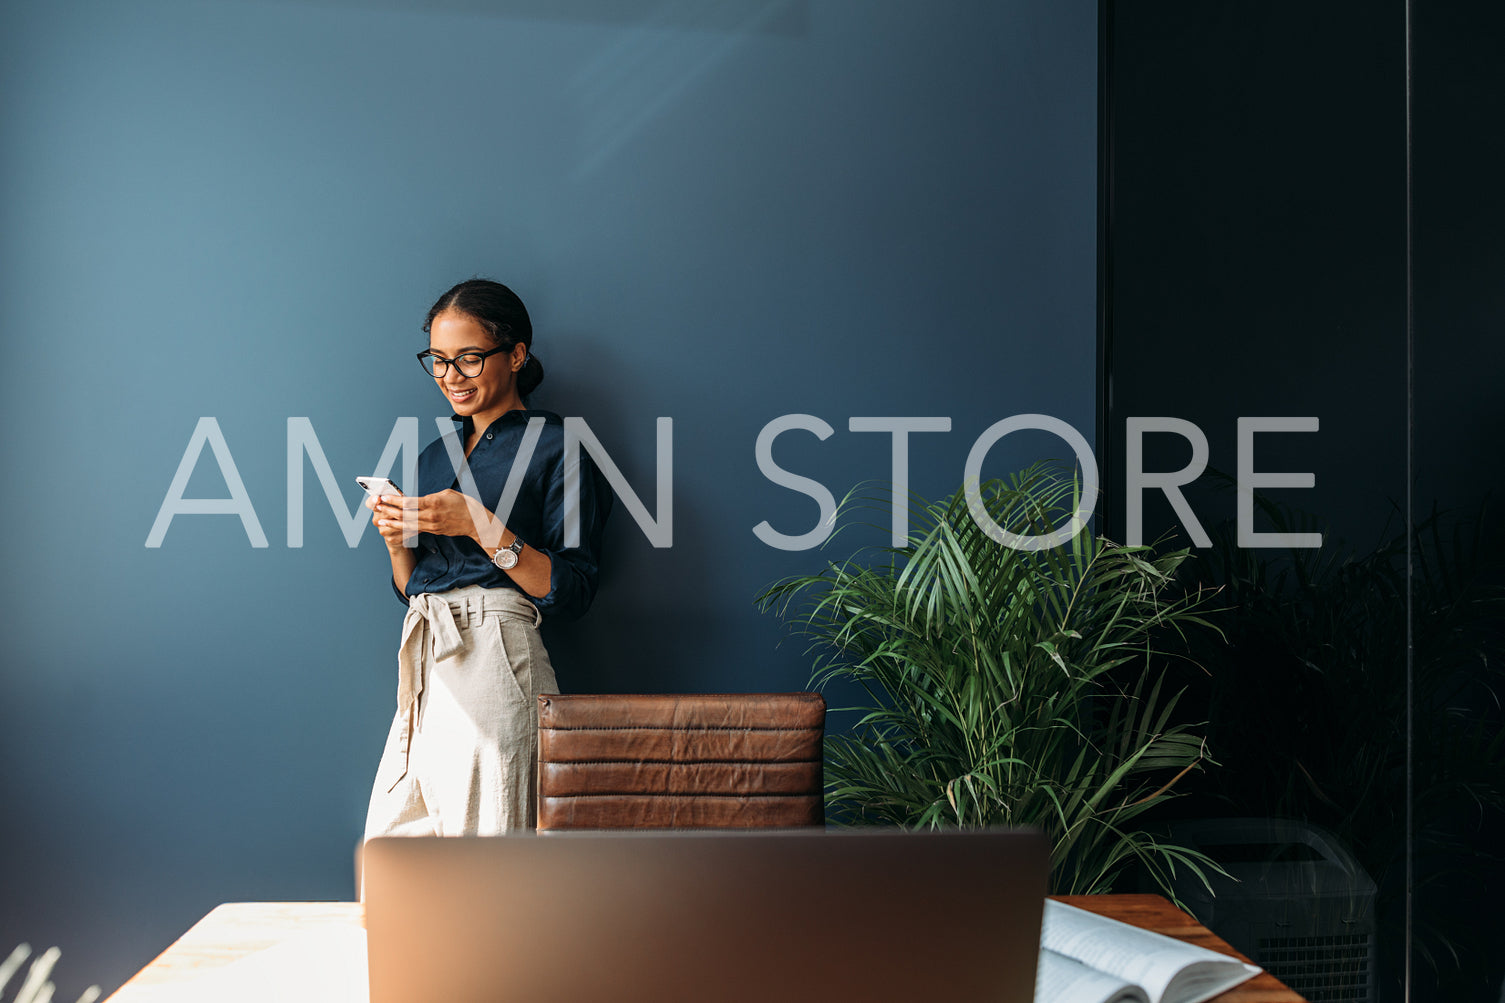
(1166, 968)
(1061, 978)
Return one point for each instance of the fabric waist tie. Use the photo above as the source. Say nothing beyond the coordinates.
(433, 616)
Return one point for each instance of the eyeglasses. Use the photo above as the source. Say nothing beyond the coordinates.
(470, 364)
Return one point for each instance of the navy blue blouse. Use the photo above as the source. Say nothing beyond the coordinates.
(537, 516)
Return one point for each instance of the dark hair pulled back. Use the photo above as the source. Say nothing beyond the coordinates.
(500, 311)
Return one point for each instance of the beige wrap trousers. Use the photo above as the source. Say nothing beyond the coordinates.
(461, 756)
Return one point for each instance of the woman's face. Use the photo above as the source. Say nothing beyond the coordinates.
(492, 393)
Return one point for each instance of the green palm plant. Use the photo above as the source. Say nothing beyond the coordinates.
(1006, 686)
(36, 986)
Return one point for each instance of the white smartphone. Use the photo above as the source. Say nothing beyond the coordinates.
(378, 486)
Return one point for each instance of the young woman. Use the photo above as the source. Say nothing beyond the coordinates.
(480, 556)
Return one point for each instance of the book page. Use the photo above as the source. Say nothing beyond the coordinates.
(1141, 957)
(1060, 979)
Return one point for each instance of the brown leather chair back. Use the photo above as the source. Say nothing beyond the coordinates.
(717, 761)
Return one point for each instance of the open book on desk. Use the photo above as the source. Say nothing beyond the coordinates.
(1087, 958)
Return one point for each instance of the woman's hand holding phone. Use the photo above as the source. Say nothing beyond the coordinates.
(384, 499)
(399, 518)
(444, 513)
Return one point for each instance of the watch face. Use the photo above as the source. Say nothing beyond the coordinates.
(506, 557)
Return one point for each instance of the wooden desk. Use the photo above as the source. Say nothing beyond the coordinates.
(240, 929)
(230, 933)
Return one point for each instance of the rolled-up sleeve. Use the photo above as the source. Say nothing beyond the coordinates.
(573, 570)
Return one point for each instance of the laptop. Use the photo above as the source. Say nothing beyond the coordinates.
(724, 917)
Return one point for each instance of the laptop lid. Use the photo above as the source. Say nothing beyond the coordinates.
(620, 917)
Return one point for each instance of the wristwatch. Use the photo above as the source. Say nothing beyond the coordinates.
(506, 557)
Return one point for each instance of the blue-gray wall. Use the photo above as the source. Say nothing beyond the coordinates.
(719, 212)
